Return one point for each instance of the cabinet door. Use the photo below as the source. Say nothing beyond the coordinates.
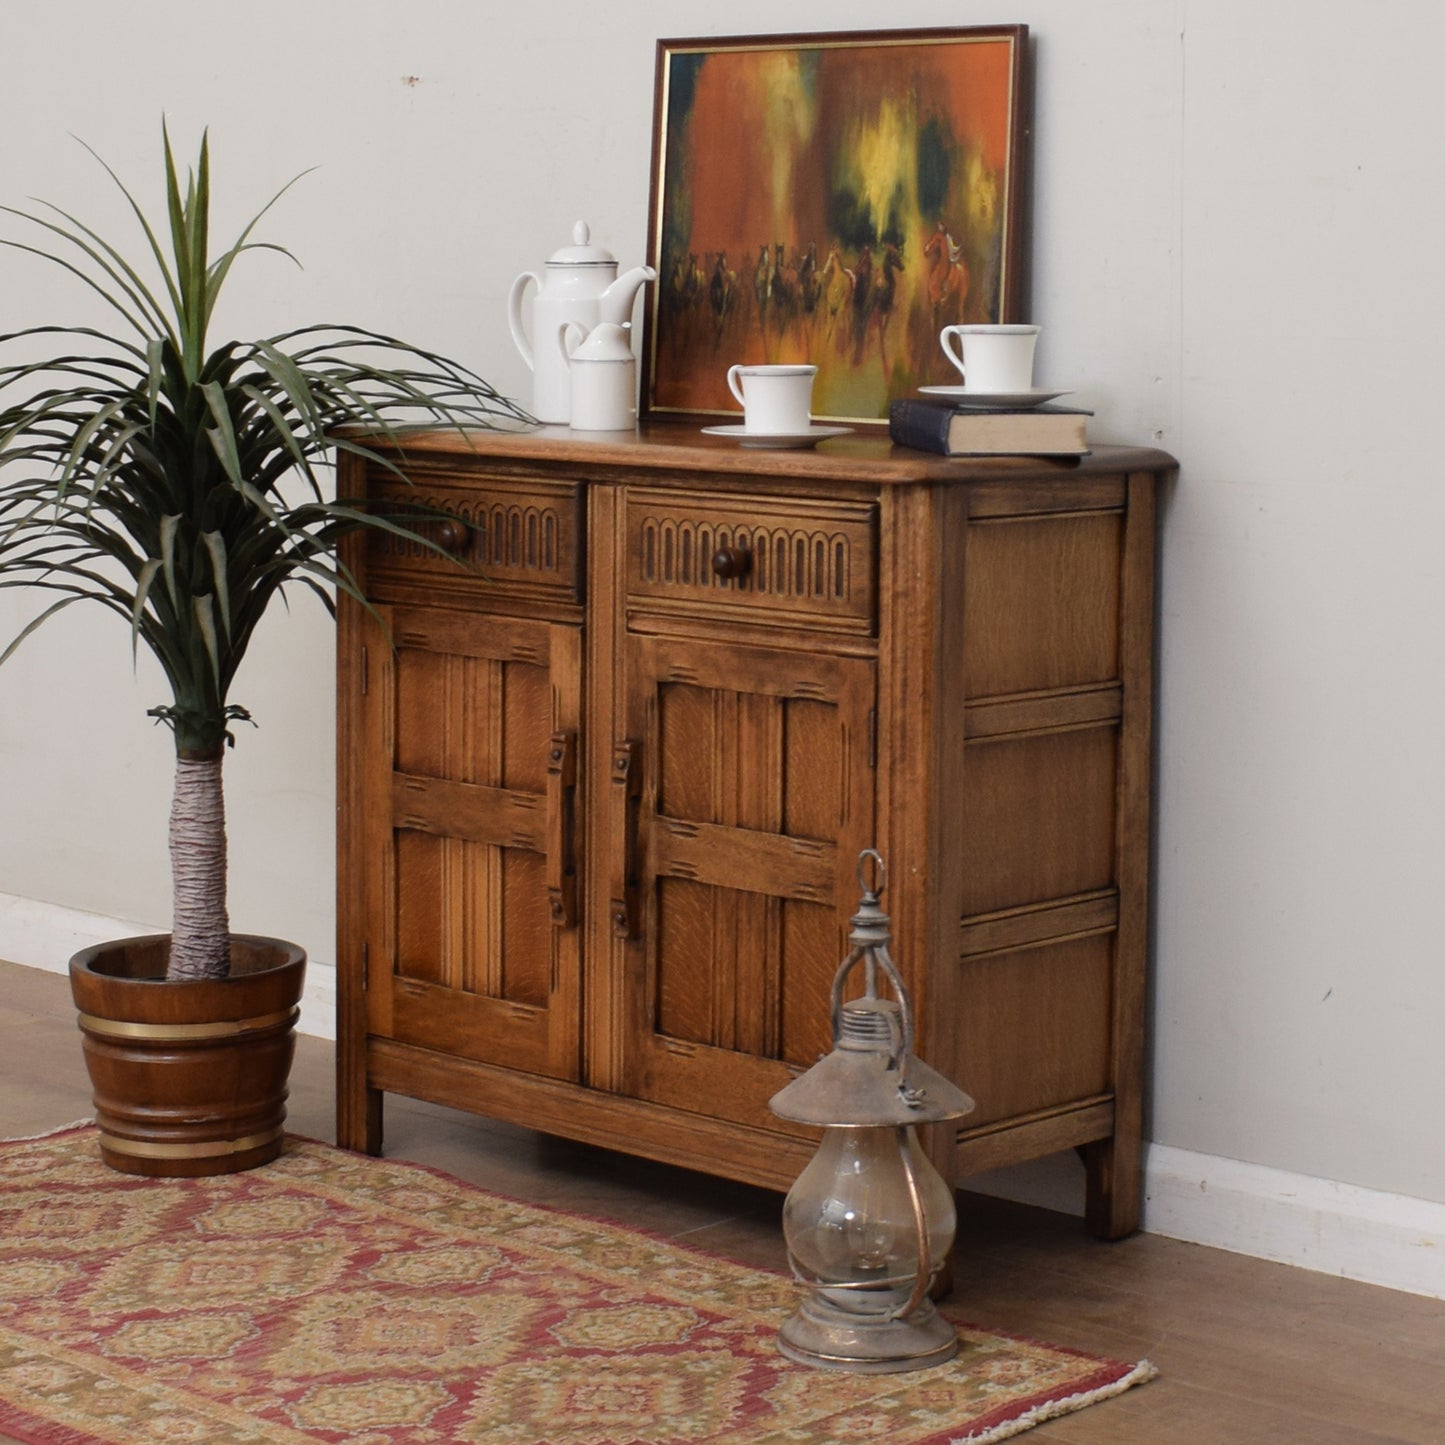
(742, 793)
(471, 743)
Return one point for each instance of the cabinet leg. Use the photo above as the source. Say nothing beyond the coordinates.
(359, 1126)
(1114, 1181)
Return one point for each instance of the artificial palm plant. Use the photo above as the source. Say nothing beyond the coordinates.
(179, 483)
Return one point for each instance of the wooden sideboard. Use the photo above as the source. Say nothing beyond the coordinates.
(602, 789)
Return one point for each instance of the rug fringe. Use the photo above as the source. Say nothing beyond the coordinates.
(48, 1133)
(1141, 1373)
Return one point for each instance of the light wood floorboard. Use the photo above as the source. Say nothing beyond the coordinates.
(1251, 1353)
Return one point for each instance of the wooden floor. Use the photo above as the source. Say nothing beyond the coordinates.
(1249, 1352)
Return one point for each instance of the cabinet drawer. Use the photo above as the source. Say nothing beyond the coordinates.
(522, 535)
(785, 561)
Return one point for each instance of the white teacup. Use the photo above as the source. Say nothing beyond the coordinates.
(992, 358)
(776, 400)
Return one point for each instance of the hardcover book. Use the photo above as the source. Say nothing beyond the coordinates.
(956, 431)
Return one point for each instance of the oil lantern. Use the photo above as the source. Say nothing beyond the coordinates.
(870, 1221)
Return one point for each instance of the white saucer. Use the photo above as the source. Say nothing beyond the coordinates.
(740, 434)
(1034, 396)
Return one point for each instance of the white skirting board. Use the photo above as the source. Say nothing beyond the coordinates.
(1342, 1229)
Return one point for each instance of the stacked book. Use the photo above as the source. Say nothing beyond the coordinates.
(971, 429)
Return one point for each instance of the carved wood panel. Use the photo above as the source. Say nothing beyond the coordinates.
(464, 713)
(757, 795)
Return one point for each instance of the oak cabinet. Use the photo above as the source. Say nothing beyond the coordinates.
(604, 778)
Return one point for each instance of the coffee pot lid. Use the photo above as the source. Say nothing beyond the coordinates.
(580, 253)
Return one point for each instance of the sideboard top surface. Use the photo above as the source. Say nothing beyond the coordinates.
(867, 457)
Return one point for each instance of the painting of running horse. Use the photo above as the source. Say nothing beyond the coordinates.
(836, 199)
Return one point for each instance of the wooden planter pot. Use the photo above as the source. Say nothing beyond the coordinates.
(188, 1078)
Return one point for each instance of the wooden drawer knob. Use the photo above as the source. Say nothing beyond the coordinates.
(451, 536)
(729, 562)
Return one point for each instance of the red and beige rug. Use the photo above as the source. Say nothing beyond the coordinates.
(332, 1297)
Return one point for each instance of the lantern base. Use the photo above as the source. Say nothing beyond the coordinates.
(828, 1338)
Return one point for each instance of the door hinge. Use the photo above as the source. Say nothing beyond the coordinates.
(365, 967)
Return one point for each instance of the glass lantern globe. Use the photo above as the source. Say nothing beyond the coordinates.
(849, 1221)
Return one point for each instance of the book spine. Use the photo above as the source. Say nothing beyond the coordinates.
(919, 425)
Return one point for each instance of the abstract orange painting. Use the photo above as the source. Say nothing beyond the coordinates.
(834, 199)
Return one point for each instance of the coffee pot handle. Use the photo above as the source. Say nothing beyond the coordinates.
(514, 317)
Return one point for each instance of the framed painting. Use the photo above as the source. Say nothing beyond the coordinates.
(833, 199)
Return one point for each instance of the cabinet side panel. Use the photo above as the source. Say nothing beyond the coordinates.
(1038, 817)
(1034, 1032)
(358, 1106)
(1042, 600)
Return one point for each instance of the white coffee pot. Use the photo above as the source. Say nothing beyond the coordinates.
(579, 284)
(603, 373)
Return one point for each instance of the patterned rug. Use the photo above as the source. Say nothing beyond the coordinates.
(332, 1297)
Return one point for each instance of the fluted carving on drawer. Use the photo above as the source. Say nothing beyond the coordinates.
(786, 562)
(502, 534)
(522, 538)
(821, 566)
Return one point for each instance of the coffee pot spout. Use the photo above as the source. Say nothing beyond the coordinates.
(615, 303)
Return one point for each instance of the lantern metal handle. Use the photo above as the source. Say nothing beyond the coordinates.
(872, 893)
(872, 932)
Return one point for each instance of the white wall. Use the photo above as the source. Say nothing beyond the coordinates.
(1238, 210)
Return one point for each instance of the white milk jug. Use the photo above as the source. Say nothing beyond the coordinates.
(604, 376)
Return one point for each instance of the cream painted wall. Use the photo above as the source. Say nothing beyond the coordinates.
(1237, 210)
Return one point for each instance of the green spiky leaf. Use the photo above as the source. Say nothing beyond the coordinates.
(152, 453)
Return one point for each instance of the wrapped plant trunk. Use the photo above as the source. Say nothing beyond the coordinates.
(200, 926)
